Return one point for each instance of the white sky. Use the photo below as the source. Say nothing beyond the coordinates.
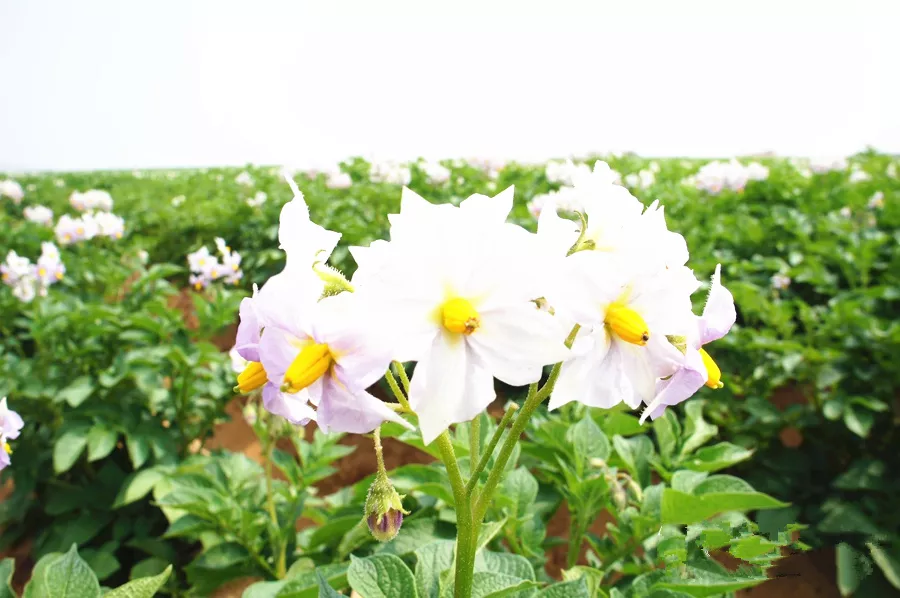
(122, 84)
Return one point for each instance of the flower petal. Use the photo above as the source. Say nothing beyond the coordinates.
(342, 410)
(718, 313)
(481, 208)
(515, 343)
(293, 407)
(448, 386)
(681, 386)
(247, 340)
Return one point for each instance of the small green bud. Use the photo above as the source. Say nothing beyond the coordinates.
(384, 509)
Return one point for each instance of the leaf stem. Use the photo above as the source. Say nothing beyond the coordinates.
(465, 541)
(492, 444)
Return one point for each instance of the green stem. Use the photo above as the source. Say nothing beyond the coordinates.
(395, 388)
(577, 529)
(465, 538)
(401, 371)
(492, 444)
(474, 441)
(277, 544)
(379, 451)
(531, 402)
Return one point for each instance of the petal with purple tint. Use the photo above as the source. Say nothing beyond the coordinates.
(292, 407)
(277, 349)
(247, 341)
(341, 410)
(718, 313)
(682, 385)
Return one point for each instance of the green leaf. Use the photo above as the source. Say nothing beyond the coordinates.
(68, 577)
(858, 420)
(138, 446)
(851, 568)
(696, 430)
(7, 568)
(304, 584)
(617, 422)
(102, 562)
(432, 560)
(188, 526)
(486, 584)
(77, 392)
(636, 453)
(707, 578)
(887, 561)
(588, 441)
(714, 495)
(136, 486)
(100, 442)
(567, 589)
(146, 587)
(68, 448)
(513, 565)
(488, 531)
(718, 456)
(518, 492)
(593, 578)
(325, 590)
(667, 433)
(381, 576)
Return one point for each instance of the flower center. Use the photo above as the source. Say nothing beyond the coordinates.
(713, 373)
(253, 377)
(627, 324)
(458, 315)
(310, 364)
(7, 448)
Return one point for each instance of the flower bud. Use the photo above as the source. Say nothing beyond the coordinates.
(384, 509)
(335, 282)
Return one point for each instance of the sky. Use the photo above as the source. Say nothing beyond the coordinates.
(180, 83)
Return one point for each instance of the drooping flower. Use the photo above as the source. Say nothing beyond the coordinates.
(699, 368)
(39, 215)
(454, 291)
(12, 190)
(10, 426)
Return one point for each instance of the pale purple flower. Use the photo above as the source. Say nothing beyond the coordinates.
(93, 199)
(12, 190)
(698, 368)
(781, 281)
(108, 224)
(876, 201)
(338, 180)
(39, 215)
(10, 426)
(70, 230)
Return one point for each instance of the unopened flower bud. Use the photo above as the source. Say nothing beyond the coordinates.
(384, 509)
(619, 498)
(335, 282)
(250, 413)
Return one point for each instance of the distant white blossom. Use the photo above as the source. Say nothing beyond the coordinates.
(390, 172)
(877, 200)
(39, 215)
(206, 268)
(93, 199)
(435, 172)
(12, 190)
(257, 200)
(338, 180)
(178, 200)
(823, 164)
(714, 177)
(108, 224)
(781, 281)
(566, 172)
(244, 179)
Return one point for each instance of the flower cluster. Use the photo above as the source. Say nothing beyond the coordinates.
(244, 179)
(12, 190)
(435, 172)
(643, 179)
(714, 177)
(70, 230)
(388, 171)
(93, 199)
(823, 164)
(206, 267)
(565, 172)
(39, 215)
(28, 280)
(471, 297)
(257, 200)
(10, 426)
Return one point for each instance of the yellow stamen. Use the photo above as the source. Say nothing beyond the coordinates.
(458, 315)
(713, 373)
(59, 276)
(253, 377)
(7, 448)
(627, 324)
(42, 272)
(310, 364)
